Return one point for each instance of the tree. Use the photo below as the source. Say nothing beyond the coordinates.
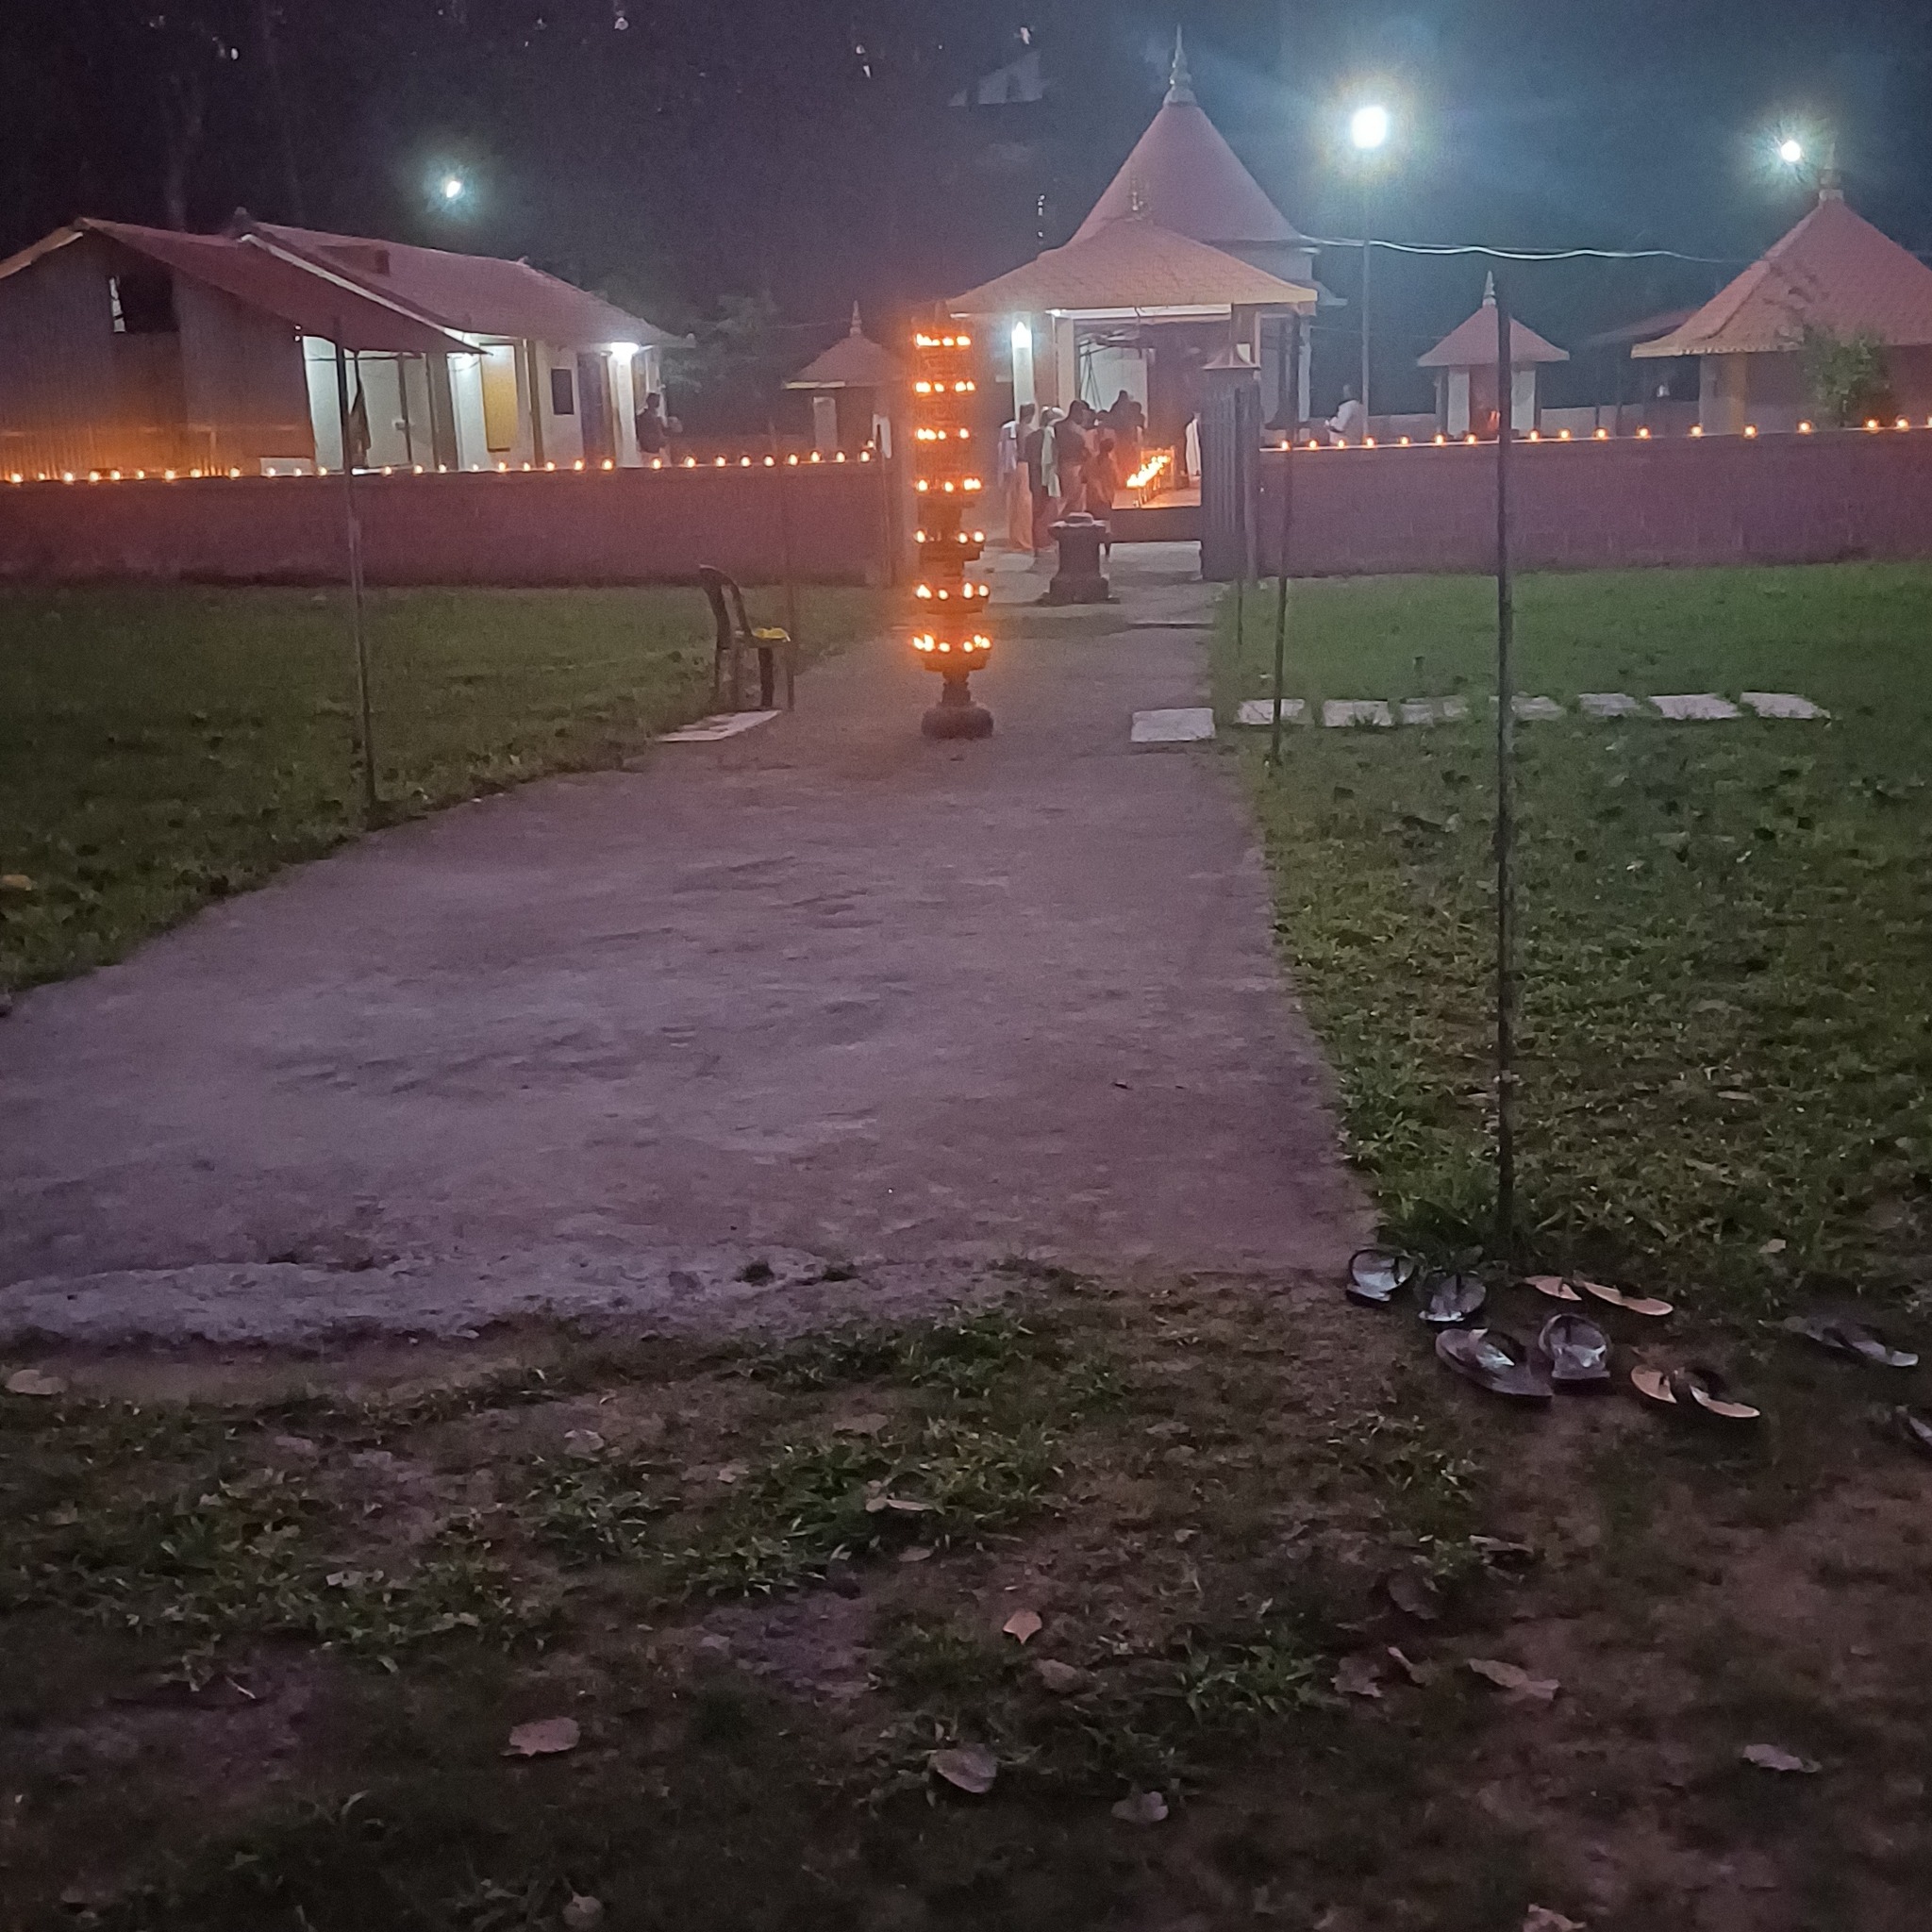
(1845, 374)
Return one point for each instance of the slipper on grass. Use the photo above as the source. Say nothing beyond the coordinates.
(1450, 1300)
(1843, 1336)
(1697, 1391)
(1554, 1286)
(1911, 1428)
(1621, 1298)
(1576, 1350)
(1376, 1277)
(1495, 1361)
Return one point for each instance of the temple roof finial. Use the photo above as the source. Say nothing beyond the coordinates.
(858, 327)
(1489, 290)
(1180, 83)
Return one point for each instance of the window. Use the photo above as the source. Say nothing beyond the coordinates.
(562, 397)
(141, 302)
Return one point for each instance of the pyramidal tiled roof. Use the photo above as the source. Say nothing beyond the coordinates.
(1471, 344)
(853, 361)
(1183, 175)
(1833, 270)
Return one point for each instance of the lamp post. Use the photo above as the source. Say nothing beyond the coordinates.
(949, 631)
(1369, 128)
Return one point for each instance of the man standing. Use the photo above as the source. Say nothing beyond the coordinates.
(655, 429)
(1009, 476)
(1350, 423)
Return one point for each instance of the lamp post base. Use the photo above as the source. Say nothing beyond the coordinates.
(956, 715)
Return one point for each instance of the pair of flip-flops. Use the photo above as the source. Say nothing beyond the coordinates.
(1843, 1335)
(1695, 1392)
(1909, 1427)
(1572, 1351)
(1445, 1299)
(1568, 1288)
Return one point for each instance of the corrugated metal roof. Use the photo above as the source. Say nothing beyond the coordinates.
(1833, 270)
(1183, 175)
(853, 361)
(1132, 264)
(1471, 344)
(479, 295)
(307, 301)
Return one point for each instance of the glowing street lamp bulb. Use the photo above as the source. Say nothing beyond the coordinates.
(1791, 150)
(1368, 127)
(452, 188)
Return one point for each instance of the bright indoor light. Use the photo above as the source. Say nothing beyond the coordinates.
(1368, 127)
(1023, 336)
(625, 351)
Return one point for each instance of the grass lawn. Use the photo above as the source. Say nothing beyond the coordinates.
(159, 748)
(1726, 927)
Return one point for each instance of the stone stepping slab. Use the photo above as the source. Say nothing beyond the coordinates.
(1189, 725)
(1697, 706)
(1608, 704)
(1261, 711)
(1340, 713)
(1433, 711)
(725, 725)
(1782, 704)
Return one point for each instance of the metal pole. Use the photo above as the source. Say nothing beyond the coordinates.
(1368, 256)
(1281, 571)
(354, 530)
(1506, 800)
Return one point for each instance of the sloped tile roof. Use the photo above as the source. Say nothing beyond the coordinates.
(307, 301)
(1471, 344)
(1130, 264)
(479, 295)
(1183, 175)
(853, 361)
(1835, 271)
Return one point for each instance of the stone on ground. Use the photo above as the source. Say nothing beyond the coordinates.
(1697, 706)
(1339, 713)
(1608, 704)
(725, 725)
(1782, 704)
(1433, 710)
(1261, 711)
(1187, 725)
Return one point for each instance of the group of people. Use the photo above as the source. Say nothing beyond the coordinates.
(1053, 464)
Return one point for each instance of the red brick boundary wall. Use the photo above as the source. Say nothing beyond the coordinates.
(1604, 505)
(620, 526)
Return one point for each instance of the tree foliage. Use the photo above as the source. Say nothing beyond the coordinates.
(1847, 375)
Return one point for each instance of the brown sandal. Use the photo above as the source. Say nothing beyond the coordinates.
(1696, 1392)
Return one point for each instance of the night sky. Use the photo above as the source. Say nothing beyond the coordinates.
(673, 155)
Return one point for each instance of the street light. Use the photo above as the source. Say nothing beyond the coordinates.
(1369, 129)
(453, 188)
(1791, 150)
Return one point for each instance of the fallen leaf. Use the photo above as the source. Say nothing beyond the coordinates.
(1022, 1626)
(1416, 1674)
(582, 1913)
(545, 1738)
(15, 882)
(917, 1554)
(1514, 1679)
(902, 1506)
(583, 1443)
(968, 1767)
(1775, 1246)
(1063, 1680)
(1543, 1920)
(733, 1471)
(1357, 1676)
(1141, 1808)
(32, 1382)
(864, 1425)
(1769, 1758)
(1412, 1589)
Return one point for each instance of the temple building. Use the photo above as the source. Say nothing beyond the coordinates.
(1464, 364)
(1835, 276)
(1181, 259)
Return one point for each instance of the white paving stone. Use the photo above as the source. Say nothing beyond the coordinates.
(1699, 707)
(1189, 726)
(1608, 704)
(1433, 711)
(1339, 712)
(1782, 704)
(725, 725)
(1261, 711)
(1534, 709)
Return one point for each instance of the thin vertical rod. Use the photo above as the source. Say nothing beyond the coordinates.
(1505, 799)
(354, 530)
(1368, 258)
(1281, 565)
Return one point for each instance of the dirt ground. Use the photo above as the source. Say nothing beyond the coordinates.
(268, 1629)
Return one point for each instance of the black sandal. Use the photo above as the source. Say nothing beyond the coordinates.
(1843, 1336)
(1449, 1301)
(1376, 1276)
(1577, 1352)
(1495, 1361)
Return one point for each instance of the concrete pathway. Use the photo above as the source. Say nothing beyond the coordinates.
(823, 993)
